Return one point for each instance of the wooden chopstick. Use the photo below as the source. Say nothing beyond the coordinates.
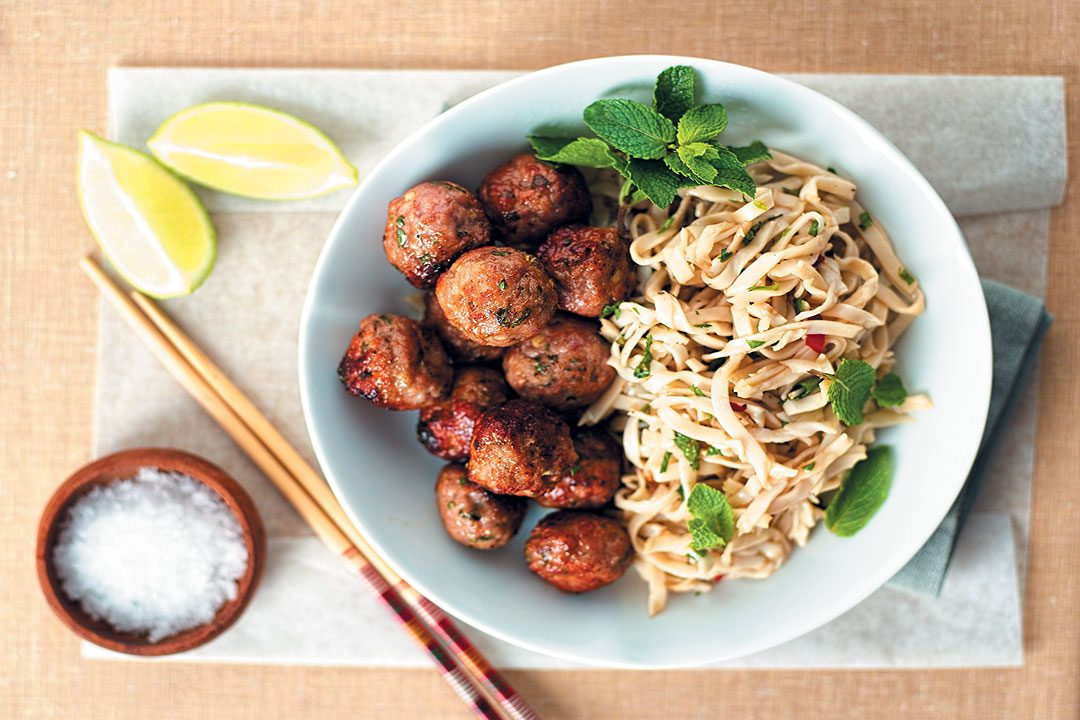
(458, 677)
(312, 481)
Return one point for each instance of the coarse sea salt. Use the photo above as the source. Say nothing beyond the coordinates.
(156, 554)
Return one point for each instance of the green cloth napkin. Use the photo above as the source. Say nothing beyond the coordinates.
(1017, 324)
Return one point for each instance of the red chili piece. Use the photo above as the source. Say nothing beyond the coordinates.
(737, 407)
(816, 343)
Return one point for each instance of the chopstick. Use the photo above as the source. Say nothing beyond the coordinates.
(312, 481)
(461, 677)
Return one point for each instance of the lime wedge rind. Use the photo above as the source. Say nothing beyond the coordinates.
(172, 154)
(112, 213)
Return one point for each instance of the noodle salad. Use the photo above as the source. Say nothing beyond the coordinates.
(755, 359)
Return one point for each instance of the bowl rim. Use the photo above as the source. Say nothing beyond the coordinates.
(125, 464)
(981, 363)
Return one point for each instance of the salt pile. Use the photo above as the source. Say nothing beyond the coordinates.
(156, 554)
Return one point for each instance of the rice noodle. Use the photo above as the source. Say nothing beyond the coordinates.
(729, 291)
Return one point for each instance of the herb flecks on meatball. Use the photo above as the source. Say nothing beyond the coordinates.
(592, 482)
(590, 266)
(578, 551)
(396, 363)
(520, 448)
(496, 296)
(429, 226)
(564, 366)
(446, 428)
(526, 198)
(473, 516)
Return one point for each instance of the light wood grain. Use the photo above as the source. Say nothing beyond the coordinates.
(53, 61)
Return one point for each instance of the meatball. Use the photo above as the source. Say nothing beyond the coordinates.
(593, 481)
(459, 346)
(590, 266)
(496, 296)
(473, 516)
(396, 363)
(526, 198)
(446, 428)
(429, 226)
(520, 448)
(578, 551)
(565, 366)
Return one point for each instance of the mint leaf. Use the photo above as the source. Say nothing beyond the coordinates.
(688, 177)
(731, 174)
(861, 493)
(693, 157)
(712, 523)
(585, 152)
(690, 449)
(674, 93)
(890, 391)
(636, 129)
(654, 179)
(753, 153)
(850, 389)
(703, 122)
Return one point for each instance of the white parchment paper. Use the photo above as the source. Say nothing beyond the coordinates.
(309, 609)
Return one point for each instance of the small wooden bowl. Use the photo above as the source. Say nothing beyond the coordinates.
(125, 465)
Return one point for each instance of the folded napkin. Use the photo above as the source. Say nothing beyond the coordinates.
(1018, 322)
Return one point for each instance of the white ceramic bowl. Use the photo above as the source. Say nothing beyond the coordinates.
(385, 479)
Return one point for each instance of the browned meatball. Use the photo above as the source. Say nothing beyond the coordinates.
(564, 366)
(496, 296)
(473, 516)
(429, 226)
(446, 428)
(526, 198)
(578, 551)
(459, 346)
(396, 363)
(520, 448)
(593, 481)
(590, 266)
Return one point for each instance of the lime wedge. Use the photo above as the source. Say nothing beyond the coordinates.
(148, 222)
(251, 151)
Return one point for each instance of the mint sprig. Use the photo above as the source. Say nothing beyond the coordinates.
(658, 149)
(850, 389)
(712, 522)
(861, 493)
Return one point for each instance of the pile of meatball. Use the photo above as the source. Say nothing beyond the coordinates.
(508, 351)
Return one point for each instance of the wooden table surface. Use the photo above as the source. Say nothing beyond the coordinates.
(53, 60)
